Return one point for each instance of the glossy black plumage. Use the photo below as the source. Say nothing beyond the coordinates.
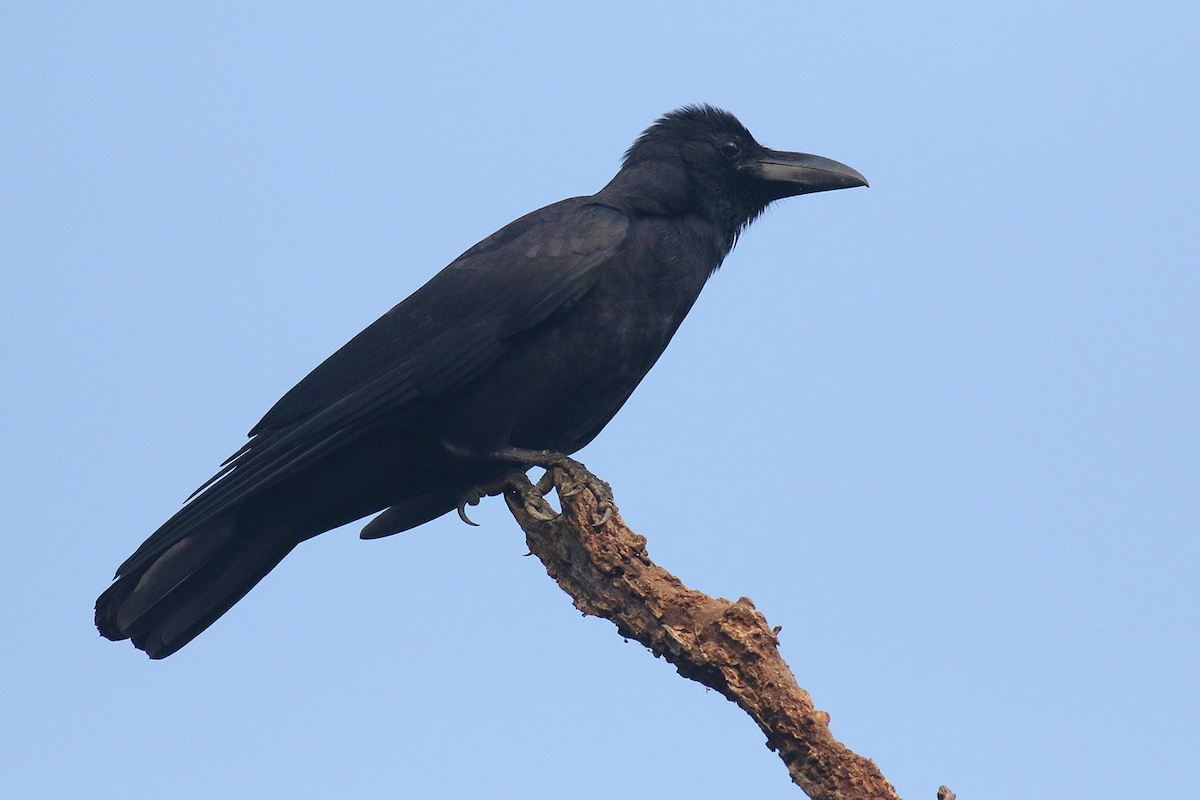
(532, 339)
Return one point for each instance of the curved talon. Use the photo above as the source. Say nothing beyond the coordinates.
(462, 512)
(532, 510)
(575, 476)
(533, 498)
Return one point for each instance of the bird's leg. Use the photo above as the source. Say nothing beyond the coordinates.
(577, 477)
(531, 496)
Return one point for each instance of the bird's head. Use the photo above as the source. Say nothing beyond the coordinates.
(700, 157)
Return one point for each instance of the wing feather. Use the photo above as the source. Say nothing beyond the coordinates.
(442, 337)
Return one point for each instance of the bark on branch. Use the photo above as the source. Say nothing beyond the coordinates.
(726, 646)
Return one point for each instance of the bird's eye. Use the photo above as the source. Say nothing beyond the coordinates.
(730, 149)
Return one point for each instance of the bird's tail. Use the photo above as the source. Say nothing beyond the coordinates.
(166, 602)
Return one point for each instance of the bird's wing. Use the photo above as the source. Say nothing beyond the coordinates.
(445, 334)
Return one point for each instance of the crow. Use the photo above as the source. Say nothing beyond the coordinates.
(516, 354)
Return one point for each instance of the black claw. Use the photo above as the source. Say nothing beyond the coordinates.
(533, 496)
(462, 513)
(537, 513)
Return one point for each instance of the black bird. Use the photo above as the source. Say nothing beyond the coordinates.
(527, 343)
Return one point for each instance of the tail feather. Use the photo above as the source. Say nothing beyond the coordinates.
(168, 602)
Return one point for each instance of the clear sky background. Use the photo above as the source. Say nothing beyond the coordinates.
(943, 430)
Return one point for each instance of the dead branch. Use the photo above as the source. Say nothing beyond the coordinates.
(728, 647)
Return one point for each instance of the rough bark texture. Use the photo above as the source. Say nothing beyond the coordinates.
(726, 646)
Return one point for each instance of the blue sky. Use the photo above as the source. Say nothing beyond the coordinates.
(943, 431)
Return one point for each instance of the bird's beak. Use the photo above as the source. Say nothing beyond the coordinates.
(788, 174)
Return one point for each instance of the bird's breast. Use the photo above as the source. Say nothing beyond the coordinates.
(561, 382)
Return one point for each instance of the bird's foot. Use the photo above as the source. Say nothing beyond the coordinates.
(564, 473)
(575, 477)
(532, 496)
